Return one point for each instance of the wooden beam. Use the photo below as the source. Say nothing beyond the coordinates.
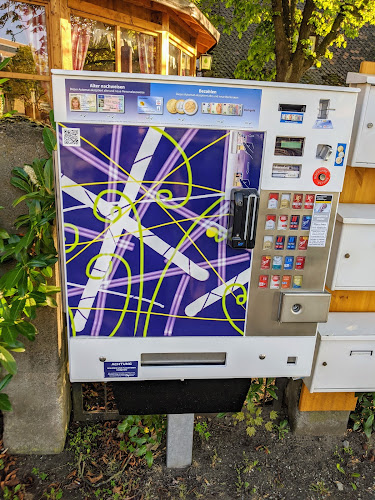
(326, 401)
(111, 16)
(164, 44)
(187, 47)
(25, 76)
(118, 49)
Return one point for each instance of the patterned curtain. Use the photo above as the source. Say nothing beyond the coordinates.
(146, 53)
(80, 43)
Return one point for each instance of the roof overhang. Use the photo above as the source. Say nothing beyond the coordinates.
(207, 34)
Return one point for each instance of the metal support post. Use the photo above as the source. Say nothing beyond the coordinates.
(180, 440)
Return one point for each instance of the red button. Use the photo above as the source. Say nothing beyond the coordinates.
(321, 176)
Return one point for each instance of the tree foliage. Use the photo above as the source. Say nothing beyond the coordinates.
(290, 35)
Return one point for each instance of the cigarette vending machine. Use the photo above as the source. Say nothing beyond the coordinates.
(196, 219)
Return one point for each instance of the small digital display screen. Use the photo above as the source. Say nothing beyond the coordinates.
(289, 146)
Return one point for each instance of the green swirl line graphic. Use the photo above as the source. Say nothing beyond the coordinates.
(141, 244)
(72, 321)
(240, 300)
(70, 247)
(125, 308)
(211, 207)
(167, 192)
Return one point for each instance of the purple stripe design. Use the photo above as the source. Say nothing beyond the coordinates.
(167, 167)
(91, 235)
(176, 304)
(93, 160)
(203, 227)
(222, 245)
(175, 271)
(113, 173)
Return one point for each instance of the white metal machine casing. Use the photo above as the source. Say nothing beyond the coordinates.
(351, 265)
(253, 353)
(362, 146)
(344, 358)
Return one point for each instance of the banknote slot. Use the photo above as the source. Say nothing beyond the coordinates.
(183, 358)
(296, 108)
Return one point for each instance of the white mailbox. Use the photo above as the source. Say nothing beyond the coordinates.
(344, 358)
(352, 260)
(362, 145)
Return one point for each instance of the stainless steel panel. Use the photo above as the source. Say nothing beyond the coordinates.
(305, 307)
(183, 358)
(263, 304)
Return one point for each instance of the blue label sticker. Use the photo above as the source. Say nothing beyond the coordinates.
(123, 369)
(340, 154)
(291, 117)
(150, 105)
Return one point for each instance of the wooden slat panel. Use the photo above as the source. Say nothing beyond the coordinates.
(326, 401)
(24, 76)
(367, 67)
(359, 185)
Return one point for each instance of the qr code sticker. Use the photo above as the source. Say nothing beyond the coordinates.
(71, 137)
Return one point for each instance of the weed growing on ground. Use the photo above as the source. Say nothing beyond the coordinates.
(143, 435)
(53, 494)
(321, 489)
(282, 429)
(41, 475)
(12, 494)
(364, 414)
(252, 412)
(215, 460)
(202, 429)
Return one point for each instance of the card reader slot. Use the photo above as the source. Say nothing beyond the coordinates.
(183, 358)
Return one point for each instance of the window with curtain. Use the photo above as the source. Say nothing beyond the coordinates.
(174, 60)
(185, 64)
(138, 52)
(93, 45)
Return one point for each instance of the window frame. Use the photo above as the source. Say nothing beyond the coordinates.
(183, 48)
(31, 76)
(118, 27)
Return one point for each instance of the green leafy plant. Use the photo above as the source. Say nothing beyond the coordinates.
(143, 435)
(320, 488)
(53, 494)
(282, 429)
(202, 429)
(251, 413)
(30, 255)
(13, 494)
(364, 414)
(41, 475)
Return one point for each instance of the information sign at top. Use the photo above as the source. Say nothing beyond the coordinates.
(172, 104)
